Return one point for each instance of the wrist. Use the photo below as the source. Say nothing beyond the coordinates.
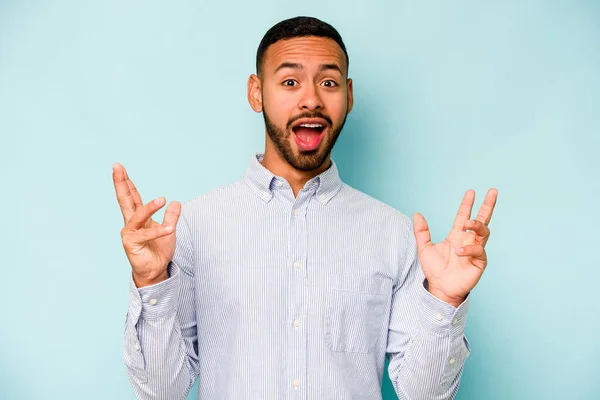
(141, 281)
(452, 300)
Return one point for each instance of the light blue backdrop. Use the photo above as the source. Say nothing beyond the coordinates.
(449, 96)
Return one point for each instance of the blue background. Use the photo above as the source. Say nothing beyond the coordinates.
(449, 96)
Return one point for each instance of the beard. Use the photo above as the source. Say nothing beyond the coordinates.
(305, 160)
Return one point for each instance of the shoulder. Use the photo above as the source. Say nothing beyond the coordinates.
(366, 206)
(215, 200)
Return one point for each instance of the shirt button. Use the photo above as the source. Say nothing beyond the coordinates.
(279, 183)
(137, 347)
(297, 264)
(452, 361)
(296, 212)
(439, 317)
(153, 301)
(296, 383)
(296, 323)
(454, 321)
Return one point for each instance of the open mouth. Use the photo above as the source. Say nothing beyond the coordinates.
(308, 135)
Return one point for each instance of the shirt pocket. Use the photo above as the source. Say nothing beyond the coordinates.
(354, 313)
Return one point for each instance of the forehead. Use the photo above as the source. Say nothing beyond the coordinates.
(304, 50)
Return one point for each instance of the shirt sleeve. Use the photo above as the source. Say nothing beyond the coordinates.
(160, 349)
(426, 345)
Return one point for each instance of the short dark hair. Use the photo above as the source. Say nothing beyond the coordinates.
(297, 27)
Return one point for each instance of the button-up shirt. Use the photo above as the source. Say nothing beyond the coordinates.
(276, 296)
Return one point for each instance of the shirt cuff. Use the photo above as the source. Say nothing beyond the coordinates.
(155, 301)
(441, 317)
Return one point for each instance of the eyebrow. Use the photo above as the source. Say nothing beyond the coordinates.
(322, 67)
(335, 67)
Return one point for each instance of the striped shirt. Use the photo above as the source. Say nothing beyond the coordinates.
(272, 296)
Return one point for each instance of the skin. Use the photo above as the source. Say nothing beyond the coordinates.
(307, 77)
(305, 88)
(454, 266)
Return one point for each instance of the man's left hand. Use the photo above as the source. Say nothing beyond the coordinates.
(453, 267)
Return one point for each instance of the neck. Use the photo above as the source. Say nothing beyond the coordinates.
(277, 165)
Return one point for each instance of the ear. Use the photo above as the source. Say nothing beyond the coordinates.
(350, 95)
(255, 93)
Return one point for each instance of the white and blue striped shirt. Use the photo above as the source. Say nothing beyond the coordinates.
(276, 297)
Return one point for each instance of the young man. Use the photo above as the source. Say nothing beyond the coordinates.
(288, 283)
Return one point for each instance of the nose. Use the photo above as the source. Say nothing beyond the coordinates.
(310, 99)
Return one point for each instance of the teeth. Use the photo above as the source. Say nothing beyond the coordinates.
(311, 125)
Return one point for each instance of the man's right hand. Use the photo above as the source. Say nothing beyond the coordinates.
(149, 246)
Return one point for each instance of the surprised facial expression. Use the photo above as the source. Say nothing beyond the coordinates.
(304, 96)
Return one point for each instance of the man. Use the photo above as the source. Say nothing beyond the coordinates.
(288, 283)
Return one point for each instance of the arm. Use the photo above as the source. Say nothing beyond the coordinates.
(425, 338)
(160, 329)
(426, 345)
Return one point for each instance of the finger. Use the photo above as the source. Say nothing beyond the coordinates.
(172, 214)
(142, 214)
(464, 211)
(145, 235)
(422, 234)
(487, 208)
(478, 227)
(124, 196)
(137, 199)
(475, 251)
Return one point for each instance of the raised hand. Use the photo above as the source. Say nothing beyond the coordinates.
(149, 246)
(453, 267)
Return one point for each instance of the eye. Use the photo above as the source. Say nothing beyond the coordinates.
(329, 83)
(289, 82)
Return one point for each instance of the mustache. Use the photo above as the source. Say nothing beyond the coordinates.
(309, 115)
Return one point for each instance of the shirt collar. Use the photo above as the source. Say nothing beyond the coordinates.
(264, 181)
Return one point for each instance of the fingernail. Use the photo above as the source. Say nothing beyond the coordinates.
(158, 201)
(168, 228)
(461, 250)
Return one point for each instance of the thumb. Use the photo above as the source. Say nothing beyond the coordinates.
(172, 214)
(422, 234)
